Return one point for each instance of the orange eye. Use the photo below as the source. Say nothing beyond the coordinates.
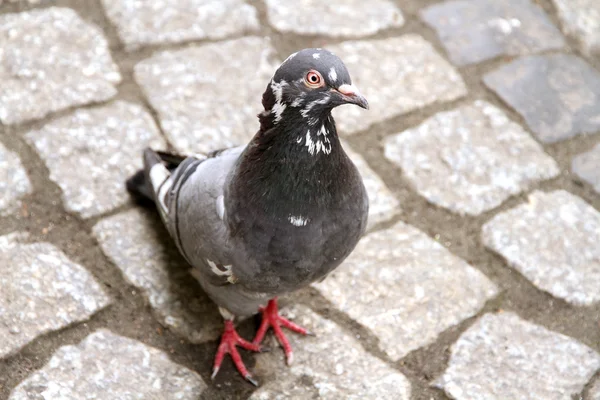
(313, 79)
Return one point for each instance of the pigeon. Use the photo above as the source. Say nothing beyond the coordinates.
(264, 219)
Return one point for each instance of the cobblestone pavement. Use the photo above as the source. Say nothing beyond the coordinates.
(479, 277)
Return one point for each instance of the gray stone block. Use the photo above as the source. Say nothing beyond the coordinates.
(406, 288)
(134, 246)
(581, 19)
(502, 356)
(91, 152)
(14, 182)
(162, 22)
(106, 366)
(51, 60)
(352, 18)
(552, 240)
(207, 97)
(557, 95)
(470, 159)
(473, 32)
(587, 167)
(397, 75)
(330, 366)
(42, 291)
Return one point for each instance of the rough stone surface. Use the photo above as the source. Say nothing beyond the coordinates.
(106, 366)
(406, 288)
(581, 19)
(105, 145)
(470, 159)
(206, 97)
(331, 365)
(587, 167)
(594, 393)
(382, 203)
(552, 240)
(473, 32)
(139, 250)
(14, 182)
(333, 18)
(396, 75)
(141, 23)
(51, 59)
(558, 95)
(42, 291)
(504, 357)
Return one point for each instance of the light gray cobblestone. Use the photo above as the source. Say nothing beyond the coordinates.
(14, 182)
(406, 288)
(470, 159)
(142, 23)
(50, 59)
(91, 152)
(42, 291)
(581, 19)
(333, 362)
(106, 366)
(132, 243)
(552, 240)
(396, 75)
(502, 356)
(200, 105)
(333, 18)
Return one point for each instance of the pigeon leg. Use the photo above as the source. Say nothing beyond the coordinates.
(271, 318)
(229, 342)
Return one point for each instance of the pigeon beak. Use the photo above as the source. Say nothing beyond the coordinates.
(350, 94)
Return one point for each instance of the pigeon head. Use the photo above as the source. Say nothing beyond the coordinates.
(310, 83)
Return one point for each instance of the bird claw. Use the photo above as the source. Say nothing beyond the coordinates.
(229, 342)
(271, 318)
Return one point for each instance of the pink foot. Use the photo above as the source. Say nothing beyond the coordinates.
(229, 342)
(271, 318)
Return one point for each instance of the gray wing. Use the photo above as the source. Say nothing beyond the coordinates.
(190, 202)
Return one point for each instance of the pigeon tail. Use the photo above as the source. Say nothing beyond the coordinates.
(139, 184)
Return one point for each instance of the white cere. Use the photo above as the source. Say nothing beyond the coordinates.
(298, 220)
(217, 271)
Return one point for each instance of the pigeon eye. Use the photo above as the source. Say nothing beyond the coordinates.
(313, 79)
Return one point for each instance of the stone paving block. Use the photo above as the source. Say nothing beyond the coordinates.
(41, 291)
(206, 97)
(502, 356)
(163, 22)
(333, 18)
(473, 32)
(106, 366)
(50, 59)
(470, 159)
(91, 152)
(557, 95)
(406, 288)
(382, 203)
(332, 365)
(396, 75)
(14, 182)
(139, 250)
(581, 19)
(594, 393)
(587, 167)
(552, 240)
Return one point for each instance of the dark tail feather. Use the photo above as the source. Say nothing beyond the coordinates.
(139, 186)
